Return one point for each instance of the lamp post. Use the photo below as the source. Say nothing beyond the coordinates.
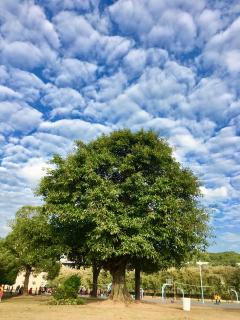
(201, 263)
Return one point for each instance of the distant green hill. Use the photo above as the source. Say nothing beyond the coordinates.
(228, 258)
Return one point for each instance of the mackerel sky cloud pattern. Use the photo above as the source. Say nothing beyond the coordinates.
(74, 69)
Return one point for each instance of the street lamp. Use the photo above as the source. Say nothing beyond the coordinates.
(201, 263)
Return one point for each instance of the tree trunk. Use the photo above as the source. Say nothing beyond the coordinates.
(119, 290)
(26, 280)
(96, 270)
(137, 283)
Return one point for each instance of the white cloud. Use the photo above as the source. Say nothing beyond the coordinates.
(114, 48)
(203, 128)
(107, 87)
(21, 55)
(24, 21)
(33, 170)
(27, 84)
(41, 144)
(132, 17)
(74, 29)
(226, 241)
(30, 40)
(235, 181)
(59, 5)
(81, 40)
(121, 111)
(75, 129)
(209, 23)
(226, 137)
(213, 195)
(180, 72)
(26, 119)
(76, 73)
(158, 91)
(211, 98)
(134, 62)
(2, 139)
(8, 93)
(232, 59)
(3, 74)
(19, 116)
(11, 199)
(14, 194)
(232, 237)
(99, 18)
(181, 138)
(63, 101)
(222, 50)
(166, 32)
(157, 23)
(20, 85)
(156, 57)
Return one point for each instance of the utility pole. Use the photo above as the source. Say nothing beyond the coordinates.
(200, 263)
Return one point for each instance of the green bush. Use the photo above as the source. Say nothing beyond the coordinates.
(69, 288)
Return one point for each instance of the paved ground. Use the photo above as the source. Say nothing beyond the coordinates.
(228, 305)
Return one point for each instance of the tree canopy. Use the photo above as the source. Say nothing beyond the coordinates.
(124, 198)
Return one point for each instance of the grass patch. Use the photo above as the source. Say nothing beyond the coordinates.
(69, 301)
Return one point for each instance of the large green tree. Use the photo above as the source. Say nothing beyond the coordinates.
(132, 201)
(31, 244)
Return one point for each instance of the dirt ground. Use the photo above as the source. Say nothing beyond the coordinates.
(36, 308)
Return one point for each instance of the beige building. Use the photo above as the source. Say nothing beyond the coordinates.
(35, 280)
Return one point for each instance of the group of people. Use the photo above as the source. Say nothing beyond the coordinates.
(86, 292)
(40, 290)
(5, 288)
(19, 290)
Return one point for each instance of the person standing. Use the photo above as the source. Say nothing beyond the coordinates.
(1, 292)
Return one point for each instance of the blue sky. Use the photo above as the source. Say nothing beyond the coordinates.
(74, 69)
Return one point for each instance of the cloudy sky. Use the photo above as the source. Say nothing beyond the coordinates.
(74, 69)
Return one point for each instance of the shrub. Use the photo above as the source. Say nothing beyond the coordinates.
(69, 288)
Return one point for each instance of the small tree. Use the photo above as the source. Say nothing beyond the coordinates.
(131, 199)
(8, 265)
(31, 243)
(69, 289)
